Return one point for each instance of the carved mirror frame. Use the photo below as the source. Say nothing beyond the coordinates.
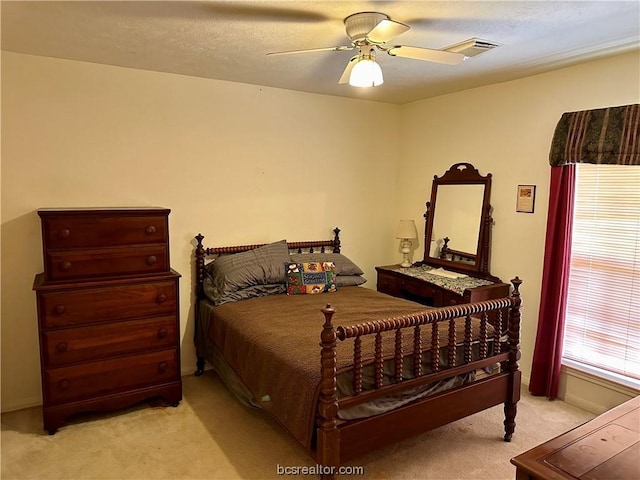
(475, 264)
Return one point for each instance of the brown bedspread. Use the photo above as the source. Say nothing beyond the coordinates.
(272, 343)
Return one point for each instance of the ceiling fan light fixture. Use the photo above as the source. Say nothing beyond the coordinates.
(366, 72)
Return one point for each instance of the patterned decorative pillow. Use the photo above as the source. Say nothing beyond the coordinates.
(344, 266)
(310, 277)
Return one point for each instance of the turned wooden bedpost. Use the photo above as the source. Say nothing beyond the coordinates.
(328, 447)
(336, 240)
(199, 264)
(510, 406)
(200, 254)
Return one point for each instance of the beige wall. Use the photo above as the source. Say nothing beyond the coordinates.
(506, 129)
(235, 162)
(239, 163)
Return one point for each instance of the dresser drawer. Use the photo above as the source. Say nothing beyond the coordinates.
(451, 298)
(105, 304)
(93, 379)
(388, 284)
(417, 289)
(104, 262)
(76, 231)
(99, 341)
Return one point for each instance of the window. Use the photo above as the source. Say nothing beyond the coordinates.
(602, 328)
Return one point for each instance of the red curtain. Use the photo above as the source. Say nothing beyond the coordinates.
(547, 356)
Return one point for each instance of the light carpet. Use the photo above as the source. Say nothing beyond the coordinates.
(211, 436)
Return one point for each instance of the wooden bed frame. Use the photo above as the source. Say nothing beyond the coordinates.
(339, 441)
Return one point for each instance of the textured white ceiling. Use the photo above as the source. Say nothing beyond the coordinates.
(228, 40)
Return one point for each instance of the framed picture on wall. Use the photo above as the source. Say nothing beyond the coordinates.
(526, 198)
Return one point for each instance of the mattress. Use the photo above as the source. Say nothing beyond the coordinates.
(267, 351)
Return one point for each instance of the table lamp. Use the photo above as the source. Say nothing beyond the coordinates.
(406, 232)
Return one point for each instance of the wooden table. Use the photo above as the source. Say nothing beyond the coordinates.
(605, 448)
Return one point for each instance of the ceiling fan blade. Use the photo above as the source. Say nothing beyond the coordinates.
(340, 48)
(347, 71)
(426, 54)
(386, 30)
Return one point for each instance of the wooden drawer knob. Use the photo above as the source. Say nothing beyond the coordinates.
(151, 259)
(62, 347)
(59, 309)
(64, 233)
(150, 230)
(161, 298)
(162, 367)
(162, 332)
(65, 265)
(63, 384)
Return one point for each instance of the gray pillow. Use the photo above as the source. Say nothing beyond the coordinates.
(253, 292)
(229, 274)
(349, 280)
(344, 266)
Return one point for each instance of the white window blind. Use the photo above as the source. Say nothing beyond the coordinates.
(602, 326)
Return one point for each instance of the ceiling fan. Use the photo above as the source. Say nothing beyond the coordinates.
(369, 32)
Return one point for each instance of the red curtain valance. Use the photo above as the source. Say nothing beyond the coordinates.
(605, 135)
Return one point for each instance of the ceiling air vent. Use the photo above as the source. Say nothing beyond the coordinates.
(472, 47)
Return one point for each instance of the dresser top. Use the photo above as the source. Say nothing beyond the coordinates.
(43, 212)
(457, 283)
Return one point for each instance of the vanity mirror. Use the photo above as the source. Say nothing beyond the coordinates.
(455, 267)
(458, 222)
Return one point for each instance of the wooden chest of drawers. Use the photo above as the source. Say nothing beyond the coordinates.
(108, 311)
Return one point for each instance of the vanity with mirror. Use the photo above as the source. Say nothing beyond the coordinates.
(457, 241)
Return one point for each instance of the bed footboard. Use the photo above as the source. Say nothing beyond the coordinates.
(337, 441)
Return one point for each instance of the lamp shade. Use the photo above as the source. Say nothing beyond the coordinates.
(366, 73)
(407, 229)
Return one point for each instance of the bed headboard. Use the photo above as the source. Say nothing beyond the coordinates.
(203, 252)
